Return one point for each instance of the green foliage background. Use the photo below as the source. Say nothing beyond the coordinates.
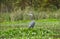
(12, 10)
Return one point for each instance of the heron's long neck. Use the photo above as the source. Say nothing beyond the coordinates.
(31, 18)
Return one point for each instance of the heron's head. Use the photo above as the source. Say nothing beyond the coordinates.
(30, 14)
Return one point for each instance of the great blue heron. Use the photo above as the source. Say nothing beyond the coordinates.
(32, 23)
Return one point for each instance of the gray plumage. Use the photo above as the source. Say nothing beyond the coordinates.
(32, 23)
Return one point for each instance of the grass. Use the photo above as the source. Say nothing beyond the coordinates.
(25, 33)
(44, 29)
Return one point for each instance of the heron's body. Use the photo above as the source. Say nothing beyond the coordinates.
(32, 23)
